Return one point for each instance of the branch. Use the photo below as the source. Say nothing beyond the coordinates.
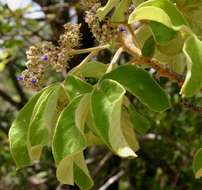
(114, 59)
(102, 163)
(112, 180)
(7, 98)
(191, 107)
(161, 70)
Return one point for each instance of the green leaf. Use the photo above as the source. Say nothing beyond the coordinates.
(193, 51)
(74, 86)
(140, 123)
(44, 119)
(81, 173)
(162, 33)
(106, 106)
(103, 11)
(176, 17)
(69, 139)
(150, 13)
(149, 47)
(128, 130)
(18, 134)
(142, 85)
(197, 163)
(93, 69)
(192, 11)
(176, 62)
(119, 13)
(174, 46)
(143, 33)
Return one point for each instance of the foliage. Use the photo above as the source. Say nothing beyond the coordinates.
(112, 103)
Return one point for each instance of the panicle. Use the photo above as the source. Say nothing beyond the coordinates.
(103, 31)
(45, 54)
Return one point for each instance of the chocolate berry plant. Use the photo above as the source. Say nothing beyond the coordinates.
(159, 36)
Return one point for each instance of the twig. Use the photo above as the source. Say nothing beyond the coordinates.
(153, 63)
(161, 70)
(134, 37)
(191, 107)
(85, 61)
(87, 50)
(114, 59)
(102, 163)
(112, 180)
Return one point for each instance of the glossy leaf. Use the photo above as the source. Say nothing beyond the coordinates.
(141, 84)
(74, 86)
(106, 106)
(149, 47)
(193, 52)
(81, 174)
(44, 119)
(69, 139)
(18, 134)
(150, 13)
(176, 17)
(197, 163)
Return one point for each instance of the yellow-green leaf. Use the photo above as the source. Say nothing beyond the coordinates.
(74, 86)
(106, 106)
(43, 119)
(69, 140)
(18, 134)
(193, 51)
(197, 163)
(119, 13)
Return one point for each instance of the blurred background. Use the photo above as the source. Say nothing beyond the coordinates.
(165, 158)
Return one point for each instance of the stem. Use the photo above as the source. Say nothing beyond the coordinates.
(153, 63)
(134, 37)
(84, 62)
(87, 50)
(114, 59)
(131, 50)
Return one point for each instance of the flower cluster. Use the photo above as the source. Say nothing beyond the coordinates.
(45, 54)
(88, 4)
(103, 31)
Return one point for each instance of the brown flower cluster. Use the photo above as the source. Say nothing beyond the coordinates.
(45, 54)
(103, 31)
